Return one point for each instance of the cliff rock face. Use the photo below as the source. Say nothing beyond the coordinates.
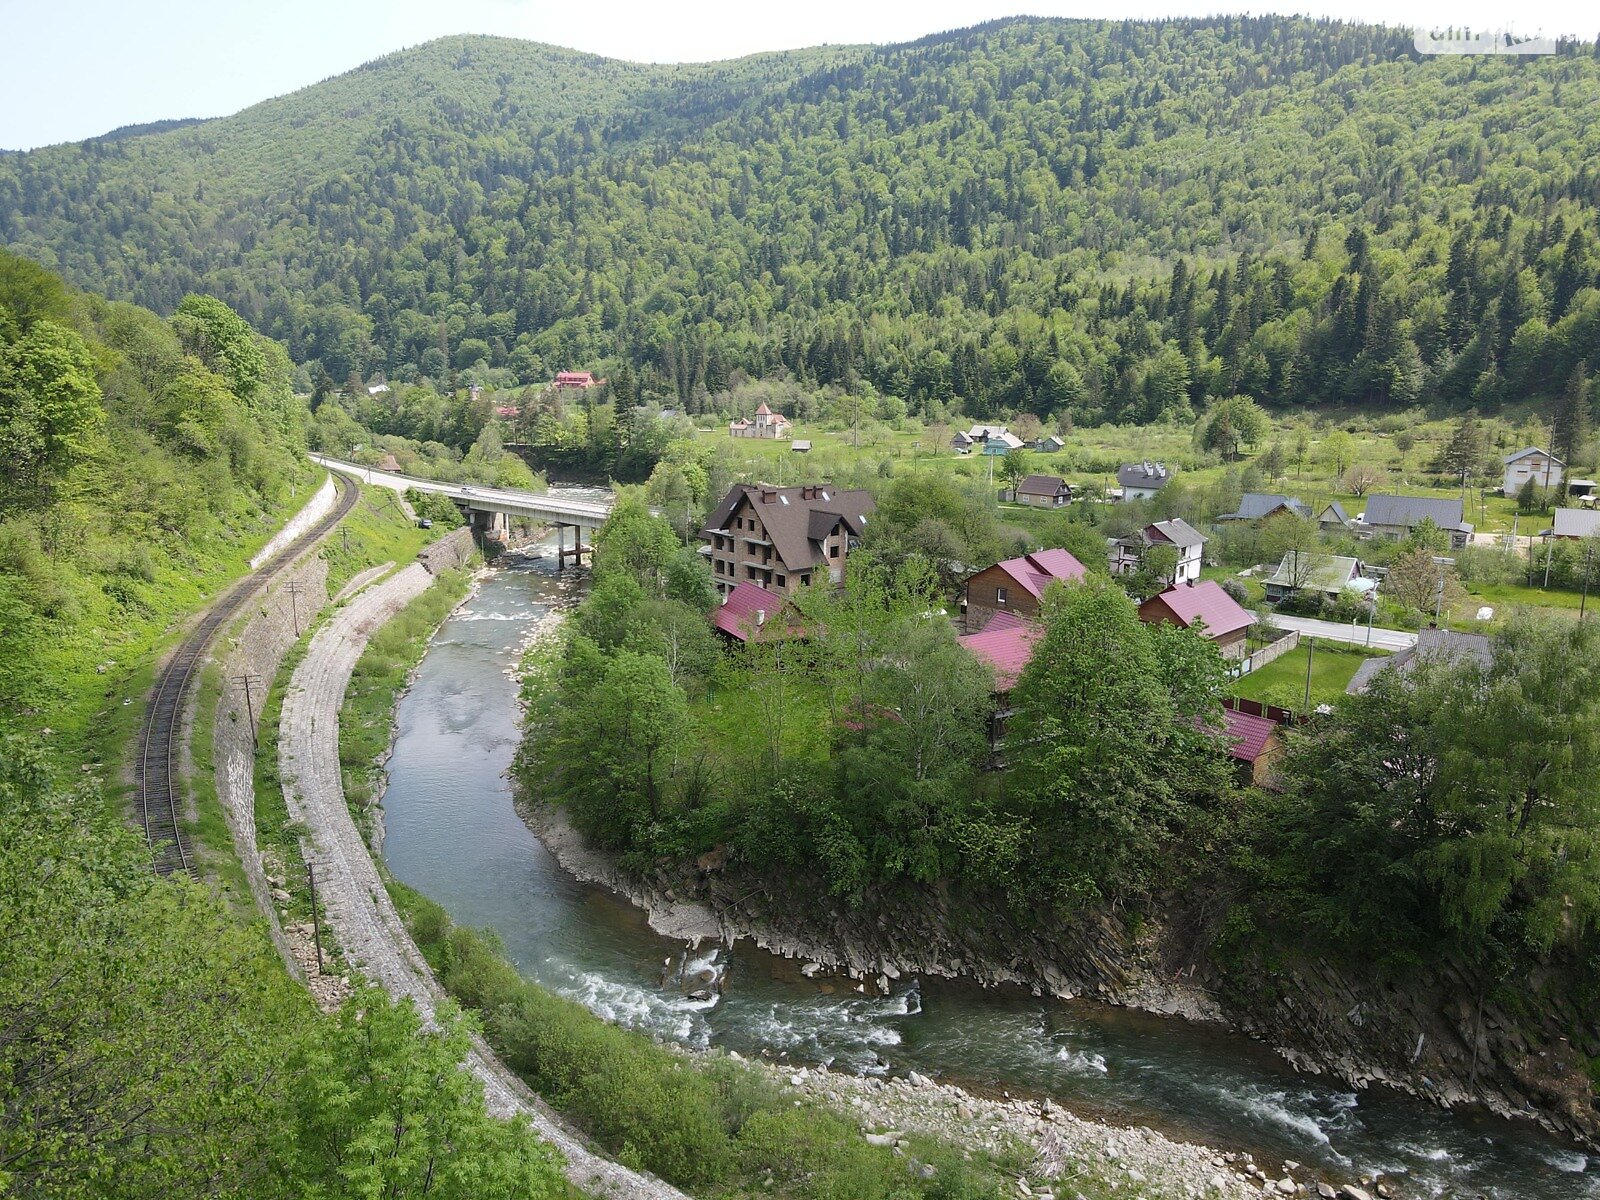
(1446, 1035)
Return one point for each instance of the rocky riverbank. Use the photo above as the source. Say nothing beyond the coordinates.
(1066, 1154)
(1441, 1040)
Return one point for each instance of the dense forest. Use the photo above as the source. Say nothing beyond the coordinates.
(1103, 220)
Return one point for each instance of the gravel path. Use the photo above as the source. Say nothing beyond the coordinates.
(359, 911)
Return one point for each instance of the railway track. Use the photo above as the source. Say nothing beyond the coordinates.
(157, 775)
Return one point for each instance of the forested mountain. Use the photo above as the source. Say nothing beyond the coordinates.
(1107, 219)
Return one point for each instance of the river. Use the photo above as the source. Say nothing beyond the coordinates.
(451, 831)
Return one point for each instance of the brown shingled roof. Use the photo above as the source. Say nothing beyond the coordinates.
(797, 519)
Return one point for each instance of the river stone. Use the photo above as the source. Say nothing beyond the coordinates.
(1326, 1191)
(1287, 1186)
(1351, 1192)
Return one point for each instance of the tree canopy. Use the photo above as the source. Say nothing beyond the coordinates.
(1031, 215)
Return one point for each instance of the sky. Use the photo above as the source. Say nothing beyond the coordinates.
(73, 69)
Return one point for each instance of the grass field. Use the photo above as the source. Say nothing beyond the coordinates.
(376, 531)
(1090, 456)
(1283, 682)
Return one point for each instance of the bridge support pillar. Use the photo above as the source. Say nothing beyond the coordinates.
(578, 549)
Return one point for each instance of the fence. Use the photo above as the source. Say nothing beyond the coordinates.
(1268, 653)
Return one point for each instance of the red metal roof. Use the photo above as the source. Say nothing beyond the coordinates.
(763, 411)
(1247, 733)
(1006, 644)
(1035, 572)
(748, 609)
(1203, 601)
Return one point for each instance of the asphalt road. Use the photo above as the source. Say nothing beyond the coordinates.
(1377, 638)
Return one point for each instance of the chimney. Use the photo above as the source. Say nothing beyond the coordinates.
(761, 617)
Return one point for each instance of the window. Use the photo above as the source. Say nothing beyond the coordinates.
(1000, 595)
(782, 580)
(833, 549)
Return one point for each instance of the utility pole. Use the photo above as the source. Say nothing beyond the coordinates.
(316, 919)
(1588, 563)
(1311, 649)
(295, 586)
(249, 681)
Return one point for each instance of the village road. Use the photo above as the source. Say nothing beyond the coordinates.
(1376, 638)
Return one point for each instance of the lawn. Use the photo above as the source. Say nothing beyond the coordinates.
(1503, 596)
(1283, 682)
(376, 531)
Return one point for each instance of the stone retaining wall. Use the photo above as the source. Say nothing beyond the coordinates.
(319, 506)
(452, 550)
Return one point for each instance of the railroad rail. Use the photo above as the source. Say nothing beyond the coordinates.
(156, 773)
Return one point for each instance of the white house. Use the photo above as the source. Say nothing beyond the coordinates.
(1544, 468)
(1142, 480)
(767, 424)
(1127, 553)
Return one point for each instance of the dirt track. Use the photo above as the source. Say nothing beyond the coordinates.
(360, 914)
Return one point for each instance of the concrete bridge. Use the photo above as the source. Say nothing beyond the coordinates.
(489, 510)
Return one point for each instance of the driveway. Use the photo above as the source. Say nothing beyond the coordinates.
(1377, 638)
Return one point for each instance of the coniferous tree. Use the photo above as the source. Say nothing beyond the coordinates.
(1569, 431)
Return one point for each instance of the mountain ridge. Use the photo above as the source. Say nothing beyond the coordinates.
(1005, 201)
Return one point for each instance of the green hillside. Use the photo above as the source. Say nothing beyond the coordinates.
(154, 1046)
(1111, 220)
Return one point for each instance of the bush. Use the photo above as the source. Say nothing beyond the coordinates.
(431, 506)
(1484, 564)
